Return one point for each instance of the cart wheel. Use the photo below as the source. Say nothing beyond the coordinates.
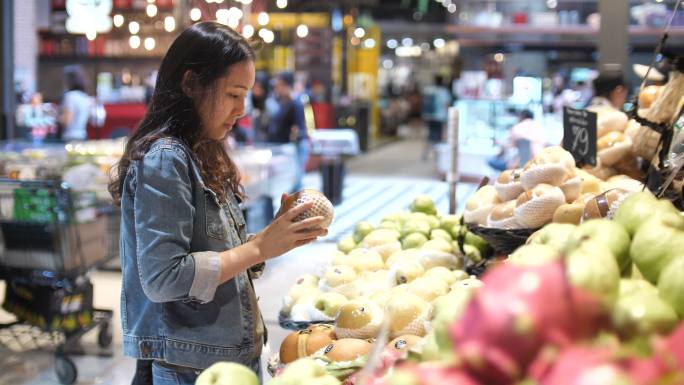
(66, 370)
(104, 336)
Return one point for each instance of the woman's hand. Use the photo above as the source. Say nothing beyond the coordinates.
(283, 234)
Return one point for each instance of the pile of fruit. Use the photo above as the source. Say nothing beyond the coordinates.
(549, 188)
(595, 303)
(413, 255)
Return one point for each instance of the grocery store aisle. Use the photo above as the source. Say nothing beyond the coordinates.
(378, 183)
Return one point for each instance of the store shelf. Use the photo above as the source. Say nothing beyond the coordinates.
(81, 59)
(559, 31)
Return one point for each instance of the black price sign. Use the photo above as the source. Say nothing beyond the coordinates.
(579, 135)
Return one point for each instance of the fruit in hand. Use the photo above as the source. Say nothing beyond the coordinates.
(227, 373)
(322, 206)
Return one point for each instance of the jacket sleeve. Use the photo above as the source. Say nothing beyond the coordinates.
(164, 217)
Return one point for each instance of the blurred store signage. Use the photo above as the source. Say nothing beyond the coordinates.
(89, 16)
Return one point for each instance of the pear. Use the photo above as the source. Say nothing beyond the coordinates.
(359, 318)
(671, 284)
(434, 222)
(592, 267)
(227, 373)
(408, 314)
(428, 289)
(610, 233)
(442, 273)
(389, 225)
(413, 240)
(337, 275)
(365, 260)
(407, 271)
(380, 237)
(328, 304)
(346, 244)
(438, 244)
(416, 226)
(404, 255)
(656, 242)
(448, 222)
(440, 233)
(553, 234)
(361, 230)
(387, 249)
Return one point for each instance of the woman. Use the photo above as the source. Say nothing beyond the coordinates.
(187, 298)
(76, 105)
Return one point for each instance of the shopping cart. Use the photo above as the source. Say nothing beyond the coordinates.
(50, 238)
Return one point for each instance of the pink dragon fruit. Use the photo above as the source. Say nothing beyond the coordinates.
(517, 311)
(429, 374)
(579, 365)
(388, 359)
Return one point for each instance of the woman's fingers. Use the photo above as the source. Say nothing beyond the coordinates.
(291, 214)
(308, 223)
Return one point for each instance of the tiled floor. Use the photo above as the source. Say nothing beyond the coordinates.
(378, 183)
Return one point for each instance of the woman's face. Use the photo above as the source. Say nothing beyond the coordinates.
(219, 113)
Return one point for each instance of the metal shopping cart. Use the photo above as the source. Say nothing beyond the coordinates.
(50, 238)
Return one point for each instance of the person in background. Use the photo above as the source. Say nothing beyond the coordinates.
(76, 105)
(259, 113)
(188, 300)
(436, 104)
(288, 125)
(610, 90)
(526, 139)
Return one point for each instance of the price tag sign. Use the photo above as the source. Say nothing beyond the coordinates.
(579, 135)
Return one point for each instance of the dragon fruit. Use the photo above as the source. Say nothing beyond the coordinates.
(429, 374)
(518, 311)
(388, 359)
(579, 365)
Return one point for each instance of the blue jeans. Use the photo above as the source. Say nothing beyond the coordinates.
(162, 375)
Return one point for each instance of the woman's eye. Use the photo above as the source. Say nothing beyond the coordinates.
(234, 96)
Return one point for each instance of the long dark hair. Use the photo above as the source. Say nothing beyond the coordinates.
(74, 78)
(207, 50)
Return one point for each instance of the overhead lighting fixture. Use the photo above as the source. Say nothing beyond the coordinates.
(233, 23)
(149, 43)
(451, 8)
(235, 13)
(387, 64)
(554, 3)
(302, 30)
(439, 42)
(134, 27)
(268, 36)
(134, 41)
(151, 10)
(392, 43)
(369, 43)
(169, 23)
(359, 32)
(355, 40)
(408, 51)
(222, 16)
(499, 57)
(263, 18)
(425, 47)
(407, 42)
(282, 4)
(91, 35)
(246, 2)
(118, 20)
(248, 31)
(195, 14)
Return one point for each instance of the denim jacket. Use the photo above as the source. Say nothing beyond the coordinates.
(173, 307)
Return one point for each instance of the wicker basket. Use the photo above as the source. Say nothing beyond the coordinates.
(646, 142)
(502, 241)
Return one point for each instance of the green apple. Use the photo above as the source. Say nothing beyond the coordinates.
(637, 207)
(553, 234)
(534, 254)
(610, 233)
(628, 286)
(643, 312)
(414, 240)
(416, 226)
(592, 267)
(390, 226)
(227, 373)
(457, 231)
(329, 303)
(671, 284)
(656, 242)
(448, 222)
(361, 230)
(423, 204)
(346, 244)
(434, 221)
(438, 244)
(440, 233)
(380, 237)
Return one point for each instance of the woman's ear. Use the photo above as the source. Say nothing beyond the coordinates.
(187, 83)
